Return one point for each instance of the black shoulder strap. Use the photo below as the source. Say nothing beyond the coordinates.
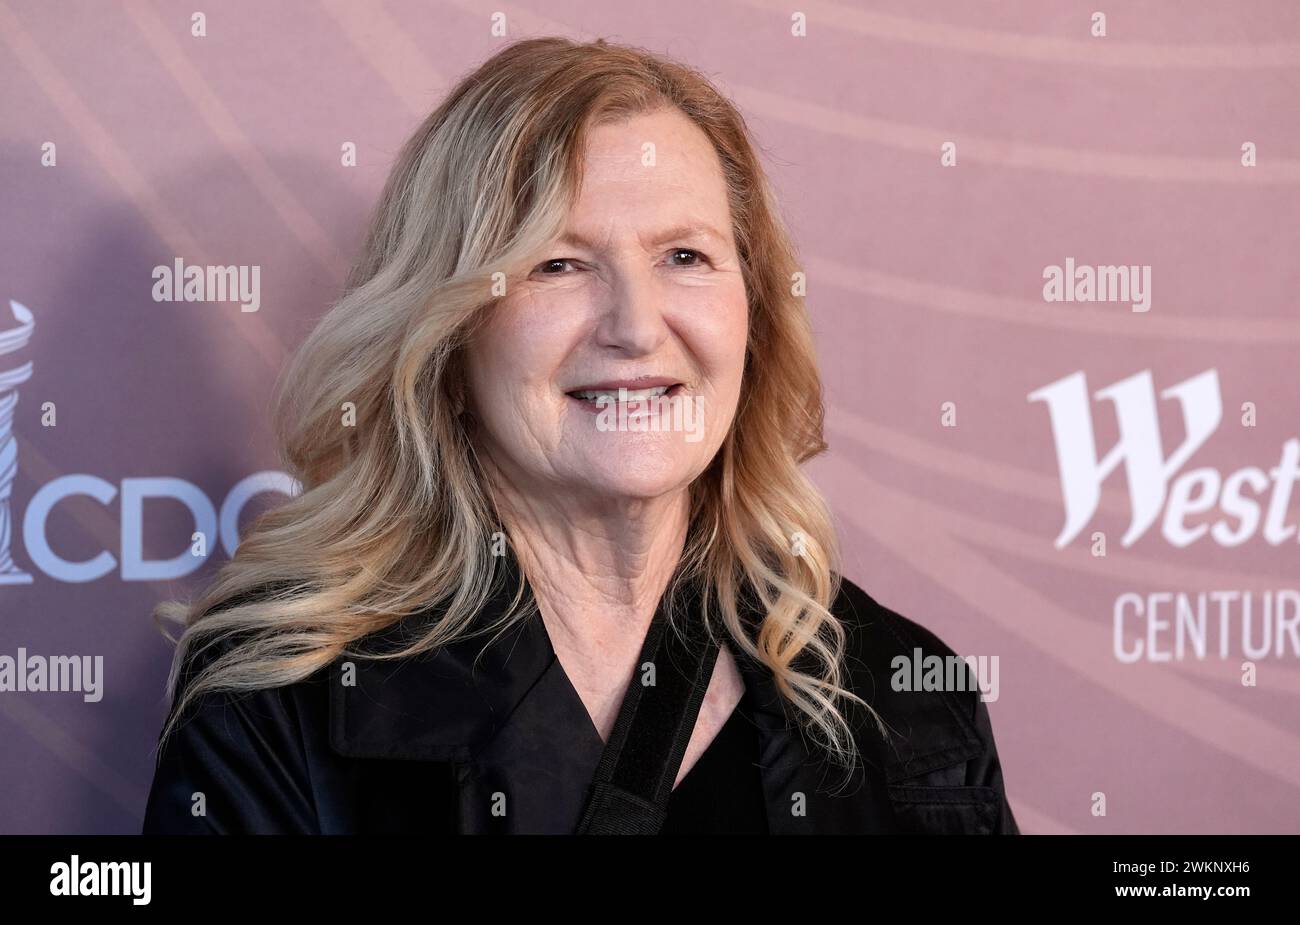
(629, 794)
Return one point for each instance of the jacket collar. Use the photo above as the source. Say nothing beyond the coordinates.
(444, 705)
(450, 704)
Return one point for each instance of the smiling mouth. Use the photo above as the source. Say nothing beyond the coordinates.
(598, 399)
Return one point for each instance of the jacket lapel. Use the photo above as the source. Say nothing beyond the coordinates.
(440, 706)
(805, 793)
(465, 703)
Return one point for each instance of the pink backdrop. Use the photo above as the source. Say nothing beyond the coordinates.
(925, 284)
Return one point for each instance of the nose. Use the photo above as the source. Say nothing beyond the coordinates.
(634, 320)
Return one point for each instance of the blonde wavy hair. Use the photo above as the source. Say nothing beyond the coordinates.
(395, 515)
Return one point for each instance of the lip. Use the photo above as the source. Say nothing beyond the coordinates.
(645, 382)
(677, 387)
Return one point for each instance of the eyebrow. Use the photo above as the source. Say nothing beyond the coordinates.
(676, 233)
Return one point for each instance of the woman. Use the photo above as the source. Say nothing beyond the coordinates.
(555, 567)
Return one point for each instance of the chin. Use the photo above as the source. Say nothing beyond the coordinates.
(637, 477)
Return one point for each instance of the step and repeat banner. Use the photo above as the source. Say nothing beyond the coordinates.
(1050, 260)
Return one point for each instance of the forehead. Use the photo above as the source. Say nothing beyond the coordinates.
(650, 169)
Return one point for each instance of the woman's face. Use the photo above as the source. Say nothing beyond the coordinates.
(644, 289)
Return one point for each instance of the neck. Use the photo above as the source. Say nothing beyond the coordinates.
(597, 568)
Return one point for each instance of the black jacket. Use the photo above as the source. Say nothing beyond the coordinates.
(407, 746)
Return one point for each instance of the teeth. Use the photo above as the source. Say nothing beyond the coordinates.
(612, 394)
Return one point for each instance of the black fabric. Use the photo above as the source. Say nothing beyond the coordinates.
(482, 738)
(722, 793)
(629, 795)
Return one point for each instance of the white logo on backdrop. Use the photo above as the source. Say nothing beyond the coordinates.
(210, 523)
(1150, 472)
(11, 340)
